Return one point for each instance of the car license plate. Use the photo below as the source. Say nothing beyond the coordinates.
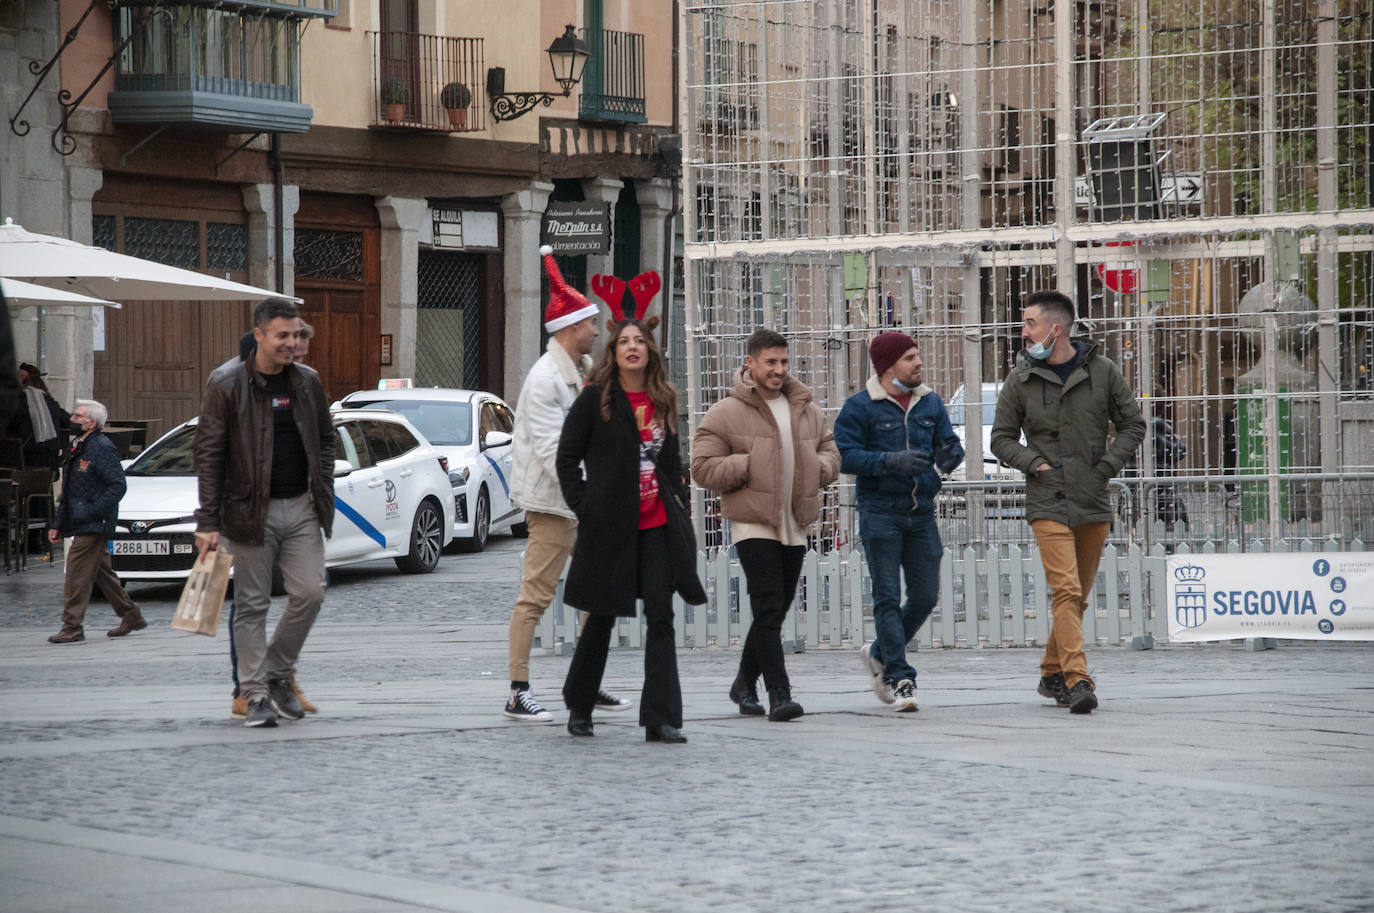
(140, 547)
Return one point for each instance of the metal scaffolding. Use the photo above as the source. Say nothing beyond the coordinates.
(1196, 175)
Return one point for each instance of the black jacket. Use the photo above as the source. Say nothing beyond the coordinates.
(39, 454)
(92, 486)
(604, 576)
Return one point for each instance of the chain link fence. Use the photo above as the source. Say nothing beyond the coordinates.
(1195, 176)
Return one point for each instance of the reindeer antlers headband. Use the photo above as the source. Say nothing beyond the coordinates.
(612, 291)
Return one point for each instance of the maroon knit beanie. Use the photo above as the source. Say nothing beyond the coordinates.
(886, 348)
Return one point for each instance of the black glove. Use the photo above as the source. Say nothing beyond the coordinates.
(949, 455)
(910, 462)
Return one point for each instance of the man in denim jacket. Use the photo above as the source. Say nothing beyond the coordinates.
(893, 435)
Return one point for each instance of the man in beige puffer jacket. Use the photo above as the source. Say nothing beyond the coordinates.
(769, 451)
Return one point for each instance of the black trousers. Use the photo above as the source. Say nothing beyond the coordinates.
(661, 700)
(771, 570)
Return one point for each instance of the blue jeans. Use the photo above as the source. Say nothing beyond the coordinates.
(900, 545)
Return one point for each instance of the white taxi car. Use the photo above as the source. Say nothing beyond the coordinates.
(1004, 491)
(391, 498)
(473, 429)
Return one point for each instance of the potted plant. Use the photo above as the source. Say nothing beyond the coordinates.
(456, 97)
(395, 91)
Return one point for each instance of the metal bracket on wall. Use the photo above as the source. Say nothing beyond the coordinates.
(124, 159)
(237, 149)
(510, 105)
(21, 127)
(67, 145)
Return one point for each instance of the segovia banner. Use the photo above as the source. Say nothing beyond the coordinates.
(1307, 596)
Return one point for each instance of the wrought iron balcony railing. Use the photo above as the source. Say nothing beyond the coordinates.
(427, 82)
(613, 82)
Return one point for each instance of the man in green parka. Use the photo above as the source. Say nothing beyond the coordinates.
(1081, 425)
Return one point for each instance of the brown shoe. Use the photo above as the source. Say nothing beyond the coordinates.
(126, 625)
(305, 702)
(68, 636)
(238, 707)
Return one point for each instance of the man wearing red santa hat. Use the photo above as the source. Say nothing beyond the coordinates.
(552, 384)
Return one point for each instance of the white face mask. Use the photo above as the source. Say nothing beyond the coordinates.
(1041, 350)
(901, 386)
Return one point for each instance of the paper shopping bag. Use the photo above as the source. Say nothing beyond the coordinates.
(203, 596)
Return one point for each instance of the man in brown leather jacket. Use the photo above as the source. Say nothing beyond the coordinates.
(264, 457)
(768, 450)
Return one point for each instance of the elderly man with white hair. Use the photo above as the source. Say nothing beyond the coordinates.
(92, 486)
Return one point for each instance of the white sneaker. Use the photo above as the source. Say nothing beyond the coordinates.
(905, 696)
(522, 706)
(875, 670)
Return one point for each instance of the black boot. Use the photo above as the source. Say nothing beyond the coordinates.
(579, 725)
(781, 707)
(747, 696)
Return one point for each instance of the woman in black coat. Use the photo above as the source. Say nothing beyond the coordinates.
(45, 454)
(634, 538)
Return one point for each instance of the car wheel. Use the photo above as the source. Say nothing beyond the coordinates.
(426, 540)
(481, 524)
(520, 530)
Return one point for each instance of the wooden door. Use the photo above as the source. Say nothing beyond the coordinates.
(347, 316)
(345, 350)
(158, 354)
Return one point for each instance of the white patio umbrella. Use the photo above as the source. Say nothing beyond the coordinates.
(26, 294)
(58, 263)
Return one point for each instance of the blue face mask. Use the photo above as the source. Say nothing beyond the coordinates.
(901, 386)
(1041, 350)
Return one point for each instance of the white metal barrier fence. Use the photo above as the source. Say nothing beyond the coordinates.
(998, 599)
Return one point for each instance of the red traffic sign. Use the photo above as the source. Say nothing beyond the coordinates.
(1122, 276)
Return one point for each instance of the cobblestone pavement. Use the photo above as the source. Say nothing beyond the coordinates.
(1212, 779)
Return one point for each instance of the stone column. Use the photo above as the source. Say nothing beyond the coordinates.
(602, 190)
(401, 220)
(655, 203)
(523, 268)
(262, 241)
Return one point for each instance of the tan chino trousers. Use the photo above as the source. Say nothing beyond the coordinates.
(1070, 556)
(551, 542)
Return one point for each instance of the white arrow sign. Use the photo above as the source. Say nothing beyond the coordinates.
(1187, 189)
(1184, 188)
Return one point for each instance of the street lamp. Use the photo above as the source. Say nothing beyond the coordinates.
(567, 55)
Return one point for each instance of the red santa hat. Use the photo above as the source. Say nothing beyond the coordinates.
(566, 304)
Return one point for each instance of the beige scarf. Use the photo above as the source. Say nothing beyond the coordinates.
(39, 415)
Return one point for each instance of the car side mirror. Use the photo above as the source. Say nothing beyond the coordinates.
(496, 439)
(342, 468)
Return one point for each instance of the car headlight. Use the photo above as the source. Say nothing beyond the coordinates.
(458, 476)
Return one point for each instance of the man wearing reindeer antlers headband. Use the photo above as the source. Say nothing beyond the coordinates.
(548, 392)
